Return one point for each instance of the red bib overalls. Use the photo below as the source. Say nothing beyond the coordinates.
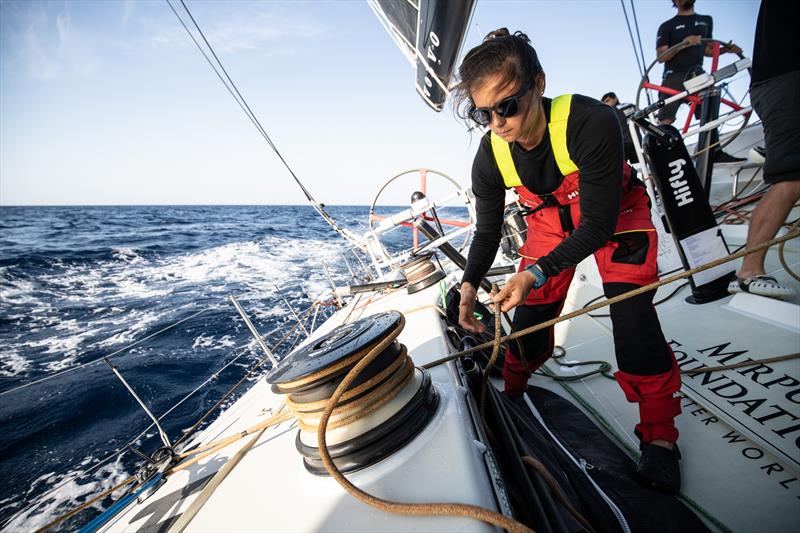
(629, 257)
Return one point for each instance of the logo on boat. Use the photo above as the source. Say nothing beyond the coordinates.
(680, 186)
(431, 55)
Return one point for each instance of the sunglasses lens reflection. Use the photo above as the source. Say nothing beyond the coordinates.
(508, 108)
(481, 116)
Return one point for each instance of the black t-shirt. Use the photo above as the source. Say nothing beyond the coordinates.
(775, 50)
(594, 142)
(677, 29)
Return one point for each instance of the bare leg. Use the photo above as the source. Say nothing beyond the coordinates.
(768, 216)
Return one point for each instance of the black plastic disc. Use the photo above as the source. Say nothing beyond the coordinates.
(338, 344)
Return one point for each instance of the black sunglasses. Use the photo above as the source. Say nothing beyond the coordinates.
(506, 108)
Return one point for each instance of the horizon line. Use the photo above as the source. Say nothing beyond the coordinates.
(199, 205)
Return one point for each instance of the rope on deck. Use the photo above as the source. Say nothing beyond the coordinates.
(620, 298)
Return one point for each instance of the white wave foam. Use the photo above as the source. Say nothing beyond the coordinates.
(107, 288)
(16, 291)
(209, 342)
(50, 504)
(137, 321)
(127, 254)
(12, 363)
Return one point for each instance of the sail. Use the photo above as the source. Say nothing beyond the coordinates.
(430, 34)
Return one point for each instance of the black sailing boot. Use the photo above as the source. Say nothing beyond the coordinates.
(658, 467)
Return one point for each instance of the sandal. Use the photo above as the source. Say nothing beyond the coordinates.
(658, 468)
(761, 285)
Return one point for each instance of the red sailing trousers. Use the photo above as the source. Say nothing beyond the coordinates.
(648, 374)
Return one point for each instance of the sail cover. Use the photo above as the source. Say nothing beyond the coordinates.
(430, 34)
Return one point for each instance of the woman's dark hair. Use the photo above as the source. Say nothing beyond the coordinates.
(500, 52)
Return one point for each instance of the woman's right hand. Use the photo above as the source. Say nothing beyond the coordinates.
(466, 309)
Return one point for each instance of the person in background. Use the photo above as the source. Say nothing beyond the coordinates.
(610, 99)
(687, 28)
(622, 111)
(775, 94)
(564, 158)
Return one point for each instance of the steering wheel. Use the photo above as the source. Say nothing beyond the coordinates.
(459, 199)
(694, 100)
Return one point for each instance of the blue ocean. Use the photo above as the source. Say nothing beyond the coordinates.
(147, 287)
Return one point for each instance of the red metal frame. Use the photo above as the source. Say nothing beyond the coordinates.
(693, 100)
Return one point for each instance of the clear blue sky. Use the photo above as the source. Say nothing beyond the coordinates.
(108, 102)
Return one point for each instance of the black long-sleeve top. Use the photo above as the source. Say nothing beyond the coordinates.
(594, 142)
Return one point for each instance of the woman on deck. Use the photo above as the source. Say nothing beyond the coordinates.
(564, 157)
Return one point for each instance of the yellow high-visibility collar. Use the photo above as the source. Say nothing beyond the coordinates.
(559, 115)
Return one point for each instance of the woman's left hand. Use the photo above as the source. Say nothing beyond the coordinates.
(514, 291)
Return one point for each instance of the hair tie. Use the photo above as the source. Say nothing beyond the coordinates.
(496, 34)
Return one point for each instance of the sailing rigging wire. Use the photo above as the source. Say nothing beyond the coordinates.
(240, 100)
(638, 35)
(639, 63)
(187, 433)
(122, 449)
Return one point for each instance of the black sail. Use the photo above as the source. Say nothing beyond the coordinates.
(430, 34)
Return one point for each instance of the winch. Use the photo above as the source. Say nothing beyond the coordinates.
(421, 272)
(385, 407)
